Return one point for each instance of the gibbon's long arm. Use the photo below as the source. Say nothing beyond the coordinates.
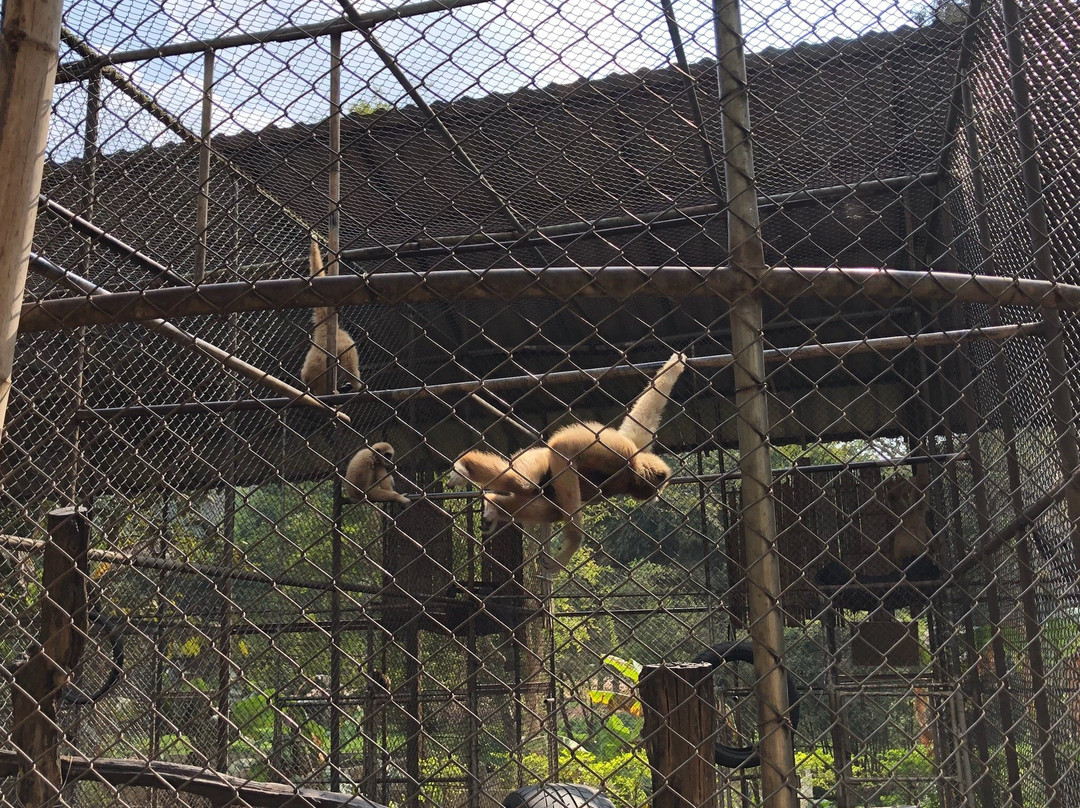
(641, 423)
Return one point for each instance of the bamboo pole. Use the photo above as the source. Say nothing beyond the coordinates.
(181, 337)
(29, 48)
(758, 518)
(550, 283)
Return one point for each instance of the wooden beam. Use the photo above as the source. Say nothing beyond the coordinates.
(29, 49)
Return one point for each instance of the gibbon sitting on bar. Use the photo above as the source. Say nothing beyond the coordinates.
(368, 478)
(578, 464)
(315, 373)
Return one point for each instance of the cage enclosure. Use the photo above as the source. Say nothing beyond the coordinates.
(853, 221)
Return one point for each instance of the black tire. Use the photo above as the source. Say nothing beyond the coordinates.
(112, 630)
(745, 757)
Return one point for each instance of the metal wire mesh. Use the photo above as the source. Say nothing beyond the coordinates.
(414, 654)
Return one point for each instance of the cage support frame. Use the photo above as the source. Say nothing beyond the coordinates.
(28, 58)
(756, 499)
(554, 282)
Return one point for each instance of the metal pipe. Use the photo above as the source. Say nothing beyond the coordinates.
(181, 337)
(110, 242)
(75, 71)
(334, 224)
(1061, 400)
(552, 283)
(758, 518)
(202, 201)
(711, 167)
(963, 62)
(993, 602)
(91, 155)
(803, 352)
(447, 136)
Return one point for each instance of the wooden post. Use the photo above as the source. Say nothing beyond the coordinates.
(29, 46)
(38, 680)
(680, 733)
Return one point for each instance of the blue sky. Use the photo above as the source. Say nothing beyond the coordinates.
(495, 47)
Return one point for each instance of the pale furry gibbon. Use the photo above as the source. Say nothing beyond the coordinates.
(315, 373)
(578, 464)
(368, 476)
(911, 539)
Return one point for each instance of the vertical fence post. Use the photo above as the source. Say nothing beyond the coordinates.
(333, 349)
(758, 518)
(202, 202)
(29, 49)
(38, 680)
(680, 733)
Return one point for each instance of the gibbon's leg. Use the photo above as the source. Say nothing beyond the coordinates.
(532, 508)
(348, 363)
(517, 475)
(567, 495)
(383, 491)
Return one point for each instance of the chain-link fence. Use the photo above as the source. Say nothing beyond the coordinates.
(867, 462)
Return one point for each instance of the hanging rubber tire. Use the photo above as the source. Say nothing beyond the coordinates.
(111, 631)
(745, 757)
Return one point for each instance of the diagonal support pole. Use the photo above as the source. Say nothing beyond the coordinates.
(171, 332)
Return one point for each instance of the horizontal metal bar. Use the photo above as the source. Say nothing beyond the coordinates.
(551, 283)
(74, 71)
(774, 355)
